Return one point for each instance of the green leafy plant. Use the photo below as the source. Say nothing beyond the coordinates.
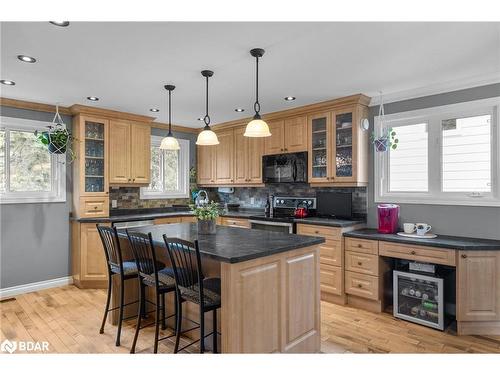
(386, 141)
(210, 211)
(58, 141)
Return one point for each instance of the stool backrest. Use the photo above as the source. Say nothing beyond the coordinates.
(144, 254)
(111, 245)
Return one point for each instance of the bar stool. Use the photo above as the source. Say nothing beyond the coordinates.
(151, 275)
(192, 286)
(116, 267)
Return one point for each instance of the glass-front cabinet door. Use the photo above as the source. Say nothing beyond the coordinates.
(343, 146)
(93, 171)
(319, 147)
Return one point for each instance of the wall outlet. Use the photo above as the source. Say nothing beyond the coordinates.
(114, 203)
(252, 201)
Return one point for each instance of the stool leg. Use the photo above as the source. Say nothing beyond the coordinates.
(202, 330)
(157, 321)
(143, 297)
(214, 344)
(163, 315)
(139, 316)
(120, 318)
(108, 298)
(178, 324)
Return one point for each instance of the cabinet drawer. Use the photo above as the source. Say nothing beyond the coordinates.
(330, 279)
(420, 253)
(187, 219)
(363, 263)
(320, 231)
(235, 222)
(362, 285)
(361, 246)
(331, 253)
(94, 206)
(167, 220)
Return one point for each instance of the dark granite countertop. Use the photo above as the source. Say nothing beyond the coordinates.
(328, 222)
(156, 214)
(448, 242)
(232, 245)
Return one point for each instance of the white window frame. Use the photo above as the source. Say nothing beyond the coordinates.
(58, 167)
(183, 173)
(433, 116)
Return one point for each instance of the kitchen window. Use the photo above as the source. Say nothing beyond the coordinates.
(445, 155)
(28, 172)
(169, 171)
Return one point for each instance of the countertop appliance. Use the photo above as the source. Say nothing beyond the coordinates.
(285, 168)
(302, 210)
(388, 217)
(419, 298)
(282, 219)
(334, 205)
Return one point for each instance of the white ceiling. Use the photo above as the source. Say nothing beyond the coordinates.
(126, 64)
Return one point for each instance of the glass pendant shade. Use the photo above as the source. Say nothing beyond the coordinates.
(257, 128)
(169, 143)
(207, 137)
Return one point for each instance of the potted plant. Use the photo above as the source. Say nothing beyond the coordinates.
(57, 139)
(386, 141)
(206, 215)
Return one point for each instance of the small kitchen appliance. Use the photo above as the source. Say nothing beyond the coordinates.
(285, 168)
(334, 205)
(388, 216)
(302, 210)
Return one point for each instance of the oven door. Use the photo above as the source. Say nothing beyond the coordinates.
(272, 226)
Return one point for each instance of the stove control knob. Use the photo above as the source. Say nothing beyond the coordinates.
(309, 202)
(282, 201)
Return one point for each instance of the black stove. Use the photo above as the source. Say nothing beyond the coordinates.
(283, 209)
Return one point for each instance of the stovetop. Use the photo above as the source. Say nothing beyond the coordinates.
(276, 218)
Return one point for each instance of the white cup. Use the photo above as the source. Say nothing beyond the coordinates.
(423, 228)
(409, 228)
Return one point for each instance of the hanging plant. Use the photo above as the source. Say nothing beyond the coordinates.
(57, 138)
(387, 139)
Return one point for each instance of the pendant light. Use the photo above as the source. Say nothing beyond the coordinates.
(169, 142)
(207, 137)
(257, 127)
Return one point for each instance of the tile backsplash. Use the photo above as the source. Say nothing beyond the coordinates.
(243, 196)
(129, 198)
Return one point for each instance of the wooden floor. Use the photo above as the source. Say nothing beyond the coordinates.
(69, 319)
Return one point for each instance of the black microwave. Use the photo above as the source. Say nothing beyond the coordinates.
(291, 168)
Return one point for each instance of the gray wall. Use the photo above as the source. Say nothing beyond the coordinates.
(482, 222)
(35, 237)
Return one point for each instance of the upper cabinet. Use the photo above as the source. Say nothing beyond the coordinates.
(224, 158)
(129, 153)
(205, 165)
(247, 158)
(288, 135)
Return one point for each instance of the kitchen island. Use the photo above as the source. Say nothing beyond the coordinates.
(270, 286)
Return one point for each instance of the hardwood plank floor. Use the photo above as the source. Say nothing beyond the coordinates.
(69, 319)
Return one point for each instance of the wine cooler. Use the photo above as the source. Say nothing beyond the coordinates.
(419, 299)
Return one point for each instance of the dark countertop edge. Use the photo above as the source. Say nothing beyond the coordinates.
(468, 242)
(333, 223)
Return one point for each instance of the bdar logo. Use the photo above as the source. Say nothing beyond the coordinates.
(8, 346)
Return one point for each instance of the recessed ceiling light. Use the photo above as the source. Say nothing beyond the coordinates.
(60, 23)
(200, 119)
(289, 98)
(239, 110)
(93, 98)
(27, 59)
(154, 110)
(7, 82)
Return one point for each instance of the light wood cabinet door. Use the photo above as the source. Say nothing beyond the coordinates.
(224, 158)
(255, 152)
(205, 162)
(331, 279)
(296, 134)
(92, 258)
(478, 286)
(319, 147)
(275, 144)
(240, 156)
(140, 167)
(119, 152)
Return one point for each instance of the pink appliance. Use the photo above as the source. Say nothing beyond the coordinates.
(388, 216)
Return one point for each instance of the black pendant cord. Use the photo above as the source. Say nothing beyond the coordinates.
(169, 113)
(206, 119)
(256, 105)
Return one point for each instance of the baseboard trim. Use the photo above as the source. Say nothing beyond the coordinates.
(33, 287)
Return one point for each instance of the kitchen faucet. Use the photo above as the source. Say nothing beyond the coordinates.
(201, 201)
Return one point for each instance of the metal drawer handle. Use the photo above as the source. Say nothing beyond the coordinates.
(413, 252)
(360, 286)
(359, 245)
(464, 256)
(360, 264)
(316, 231)
(95, 207)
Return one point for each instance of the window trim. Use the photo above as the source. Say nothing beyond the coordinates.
(58, 166)
(433, 116)
(183, 192)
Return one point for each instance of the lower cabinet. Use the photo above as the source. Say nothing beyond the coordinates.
(88, 260)
(478, 292)
(234, 222)
(331, 279)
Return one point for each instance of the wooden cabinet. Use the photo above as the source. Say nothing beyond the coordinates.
(130, 153)
(167, 220)
(362, 285)
(478, 287)
(288, 135)
(419, 253)
(338, 150)
(234, 222)
(94, 206)
(206, 165)
(89, 262)
(247, 158)
(224, 158)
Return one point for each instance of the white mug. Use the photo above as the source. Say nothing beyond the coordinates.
(409, 227)
(423, 228)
